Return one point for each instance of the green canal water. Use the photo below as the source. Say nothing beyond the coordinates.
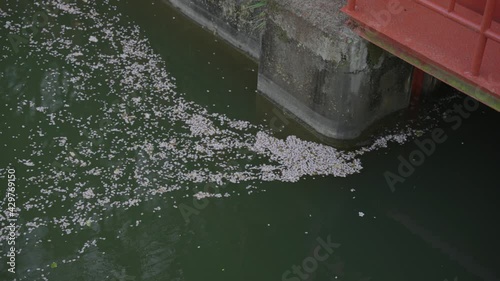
(142, 151)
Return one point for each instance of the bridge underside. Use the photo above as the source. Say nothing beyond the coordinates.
(445, 45)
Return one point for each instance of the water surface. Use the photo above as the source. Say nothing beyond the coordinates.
(143, 152)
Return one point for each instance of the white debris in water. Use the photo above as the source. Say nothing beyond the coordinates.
(298, 158)
(240, 125)
(361, 214)
(201, 195)
(27, 162)
(88, 194)
(41, 109)
(200, 125)
(141, 148)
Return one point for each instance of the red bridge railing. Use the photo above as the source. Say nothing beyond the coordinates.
(483, 27)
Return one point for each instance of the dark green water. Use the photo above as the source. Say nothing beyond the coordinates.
(104, 158)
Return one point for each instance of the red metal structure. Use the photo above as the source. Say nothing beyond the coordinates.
(456, 41)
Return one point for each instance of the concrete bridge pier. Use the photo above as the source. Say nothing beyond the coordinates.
(333, 81)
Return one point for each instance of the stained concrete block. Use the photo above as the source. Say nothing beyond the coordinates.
(229, 19)
(332, 80)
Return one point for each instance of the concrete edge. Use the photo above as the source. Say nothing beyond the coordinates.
(322, 126)
(244, 43)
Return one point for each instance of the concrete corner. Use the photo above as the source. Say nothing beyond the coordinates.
(314, 66)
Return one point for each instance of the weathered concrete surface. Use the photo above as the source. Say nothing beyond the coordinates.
(314, 66)
(230, 19)
(311, 64)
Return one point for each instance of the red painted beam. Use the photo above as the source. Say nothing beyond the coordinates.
(460, 48)
(478, 7)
